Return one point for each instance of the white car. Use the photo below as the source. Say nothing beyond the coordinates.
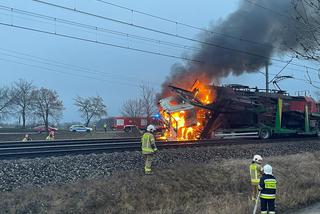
(79, 128)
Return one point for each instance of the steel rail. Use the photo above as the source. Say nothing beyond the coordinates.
(64, 141)
(13, 150)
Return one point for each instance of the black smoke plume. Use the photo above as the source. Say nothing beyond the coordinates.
(260, 29)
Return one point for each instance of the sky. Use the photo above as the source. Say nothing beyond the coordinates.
(75, 67)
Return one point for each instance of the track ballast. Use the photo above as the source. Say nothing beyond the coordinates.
(14, 150)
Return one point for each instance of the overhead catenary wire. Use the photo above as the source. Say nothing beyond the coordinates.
(281, 70)
(98, 42)
(165, 33)
(28, 57)
(292, 64)
(96, 28)
(184, 24)
(68, 73)
(294, 69)
(90, 27)
(76, 38)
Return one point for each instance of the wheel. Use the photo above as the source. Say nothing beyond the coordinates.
(264, 134)
(127, 129)
(73, 130)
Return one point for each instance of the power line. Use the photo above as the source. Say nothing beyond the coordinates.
(63, 65)
(281, 70)
(184, 24)
(98, 42)
(165, 33)
(96, 29)
(63, 72)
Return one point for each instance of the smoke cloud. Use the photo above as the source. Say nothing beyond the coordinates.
(258, 34)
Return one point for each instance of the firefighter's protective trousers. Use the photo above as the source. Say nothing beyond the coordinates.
(148, 163)
(148, 148)
(267, 204)
(255, 174)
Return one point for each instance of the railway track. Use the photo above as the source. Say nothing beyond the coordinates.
(14, 150)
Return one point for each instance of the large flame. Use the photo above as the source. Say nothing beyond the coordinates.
(188, 124)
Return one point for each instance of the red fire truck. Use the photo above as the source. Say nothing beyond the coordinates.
(129, 123)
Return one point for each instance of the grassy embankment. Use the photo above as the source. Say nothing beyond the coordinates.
(211, 188)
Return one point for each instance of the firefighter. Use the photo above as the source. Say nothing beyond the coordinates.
(26, 138)
(50, 136)
(255, 173)
(148, 148)
(268, 187)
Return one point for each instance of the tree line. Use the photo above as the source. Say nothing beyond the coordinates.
(24, 100)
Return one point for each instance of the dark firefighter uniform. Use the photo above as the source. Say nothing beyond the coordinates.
(268, 187)
(148, 148)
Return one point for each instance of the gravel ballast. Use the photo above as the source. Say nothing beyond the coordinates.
(40, 172)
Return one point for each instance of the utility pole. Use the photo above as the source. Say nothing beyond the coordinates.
(267, 77)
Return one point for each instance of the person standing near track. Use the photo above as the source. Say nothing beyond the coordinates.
(26, 138)
(148, 147)
(50, 136)
(255, 173)
(267, 187)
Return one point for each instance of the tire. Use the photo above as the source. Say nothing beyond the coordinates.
(127, 129)
(264, 133)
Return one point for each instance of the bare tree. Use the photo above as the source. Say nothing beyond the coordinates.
(6, 101)
(132, 108)
(148, 100)
(47, 105)
(307, 24)
(306, 19)
(91, 108)
(23, 102)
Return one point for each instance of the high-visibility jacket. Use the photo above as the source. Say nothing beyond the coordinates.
(268, 187)
(255, 173)
(26, 139)
(49, 138)
(148, 145)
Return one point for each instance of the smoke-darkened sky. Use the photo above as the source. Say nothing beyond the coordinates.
(74, 67)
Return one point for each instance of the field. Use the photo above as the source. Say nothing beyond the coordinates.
(214, 187)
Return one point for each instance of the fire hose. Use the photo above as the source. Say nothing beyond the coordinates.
(256, 205)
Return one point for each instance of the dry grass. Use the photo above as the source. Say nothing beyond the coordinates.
(212, 188)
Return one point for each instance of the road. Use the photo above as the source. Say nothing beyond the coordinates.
(314, 209)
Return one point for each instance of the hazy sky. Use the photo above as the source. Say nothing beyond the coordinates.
(74, 67)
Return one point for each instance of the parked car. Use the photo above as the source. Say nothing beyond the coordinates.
(79, 128)
(42, 128)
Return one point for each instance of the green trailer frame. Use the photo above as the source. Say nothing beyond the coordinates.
(264, 131)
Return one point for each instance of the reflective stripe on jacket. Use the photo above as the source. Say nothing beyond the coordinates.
(255, 173)
(148, 145)
(49, 138)
(268, 186)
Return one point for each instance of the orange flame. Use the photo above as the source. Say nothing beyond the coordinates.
(188, 124)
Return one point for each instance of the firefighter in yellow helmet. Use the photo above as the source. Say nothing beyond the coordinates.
(148, 148)
(255, 173)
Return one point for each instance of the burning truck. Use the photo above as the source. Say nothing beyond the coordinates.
(207, 111)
